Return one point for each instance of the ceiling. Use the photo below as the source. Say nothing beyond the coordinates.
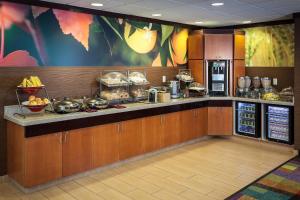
(233, 12)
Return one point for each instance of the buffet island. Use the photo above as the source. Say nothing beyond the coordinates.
(46, 147)
(49, 141)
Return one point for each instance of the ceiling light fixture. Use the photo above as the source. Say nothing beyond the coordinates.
(156, 15)
(198, 22)
(247, 22)
(97, 4)
(217, 4)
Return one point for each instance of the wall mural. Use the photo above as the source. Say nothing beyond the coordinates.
(270, 46)
(39, 36)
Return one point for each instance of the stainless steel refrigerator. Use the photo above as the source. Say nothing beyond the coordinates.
(279, 123)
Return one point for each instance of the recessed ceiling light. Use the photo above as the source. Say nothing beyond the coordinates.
(198, 22)
(156, 15)
(97, 4)
(247, 22)
(217, 4)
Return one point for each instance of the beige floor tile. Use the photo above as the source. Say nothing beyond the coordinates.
(33, 196)
(103, 175)
(215, 184)
(141, 195)
(139, 171)
(111, 194)
(166, 184)
(79, 192)
(139, 183)
(219, 194)
(193, 195)
(55, 193)
(92, 184)
(149, 169)
(165, 195)
(118, 185)
(202, 188)
(175, 169)
(11, 196)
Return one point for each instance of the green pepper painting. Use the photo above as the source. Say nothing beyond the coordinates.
(41, 37)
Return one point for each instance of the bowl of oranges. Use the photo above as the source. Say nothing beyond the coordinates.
(36, 104)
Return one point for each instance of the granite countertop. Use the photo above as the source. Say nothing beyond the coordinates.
(45, 117)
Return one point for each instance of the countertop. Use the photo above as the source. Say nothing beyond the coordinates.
(44, 117)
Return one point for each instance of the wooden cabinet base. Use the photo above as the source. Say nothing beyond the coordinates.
(77, 151)
(105, 141)
(37, 160)
(220, 121)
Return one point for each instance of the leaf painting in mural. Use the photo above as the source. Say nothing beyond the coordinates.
(76, 24)
(14, 14)
(270, 46)
(54, 37)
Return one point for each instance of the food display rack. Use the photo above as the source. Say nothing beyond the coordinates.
(185, 79)
(185, 72)
(32, 91)
(138, 83)
(112, 82)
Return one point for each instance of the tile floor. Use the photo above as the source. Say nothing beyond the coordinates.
(207, 170)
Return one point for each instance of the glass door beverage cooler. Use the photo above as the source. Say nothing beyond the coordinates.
(248, 120)
(279, 123)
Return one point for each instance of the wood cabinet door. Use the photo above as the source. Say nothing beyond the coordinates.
(220, 121)
(105, 149)
(171, 129)
(152, 133)
(187, 123)
(198, 70)
(239, 47)
(77, 151)
(218, 46)
(195, 46)
(130, 139)
(200, 122)
(43, 159)
(239, 70)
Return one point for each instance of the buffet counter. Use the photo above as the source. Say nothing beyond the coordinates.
(45, 118)
(47, 147)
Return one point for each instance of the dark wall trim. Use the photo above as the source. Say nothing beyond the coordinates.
(218, 31)
(217, 103)
(100, 12)
(296, 15)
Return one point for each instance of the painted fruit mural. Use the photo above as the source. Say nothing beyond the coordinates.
(40, 36)
(270, 46)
